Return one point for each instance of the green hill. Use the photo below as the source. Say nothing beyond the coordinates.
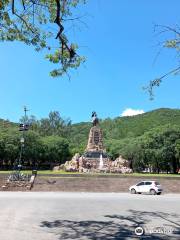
(123, 127)
(117, 128)
(134, 126)
(7, 125)
(149, 139)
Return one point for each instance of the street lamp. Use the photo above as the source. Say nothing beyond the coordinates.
(21, 152)
(22, 127)
(17, 175)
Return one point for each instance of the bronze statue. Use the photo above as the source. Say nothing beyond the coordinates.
(95, 119)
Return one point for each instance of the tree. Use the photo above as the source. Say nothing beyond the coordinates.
(55, 150)
(33, 150)
(170, 41)
(177, 150)
(10, 146)
(159, 145)
(31, 21)
(54, 125)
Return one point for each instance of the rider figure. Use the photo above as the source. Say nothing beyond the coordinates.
(94, 118)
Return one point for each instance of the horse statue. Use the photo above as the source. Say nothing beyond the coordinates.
(95, 119)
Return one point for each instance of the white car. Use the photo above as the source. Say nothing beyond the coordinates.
(152, 187)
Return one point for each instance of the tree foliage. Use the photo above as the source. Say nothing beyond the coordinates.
(42, 24)
(46, 143)
(149, 141)
(170, 40)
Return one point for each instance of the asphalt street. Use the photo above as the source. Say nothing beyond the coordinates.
(57, 215)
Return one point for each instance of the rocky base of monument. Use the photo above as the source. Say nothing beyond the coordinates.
(95, 158)
(120, 165)
(95, 165)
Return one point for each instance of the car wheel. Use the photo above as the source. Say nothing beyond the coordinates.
(152, 192)
(159, 193)
(133, 191)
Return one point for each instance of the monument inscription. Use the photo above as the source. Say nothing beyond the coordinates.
(96, 137)
(95, 140)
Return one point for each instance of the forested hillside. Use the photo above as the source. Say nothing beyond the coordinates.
(150, 140)
(126, 127)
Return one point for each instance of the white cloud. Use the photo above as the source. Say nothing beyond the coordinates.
(131, 112)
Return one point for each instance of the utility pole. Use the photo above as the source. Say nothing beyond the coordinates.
(23, 127)
(17, 175)
(25, 111)
(18, 178)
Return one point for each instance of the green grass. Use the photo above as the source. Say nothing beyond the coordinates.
(107, 174)
(42, 172)
(154, 175)
(48, 172)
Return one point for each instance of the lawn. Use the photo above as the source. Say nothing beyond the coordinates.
(61, 172)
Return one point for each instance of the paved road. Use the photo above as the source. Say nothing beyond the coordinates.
(94, 216)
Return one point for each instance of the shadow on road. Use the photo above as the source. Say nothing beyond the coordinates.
(115, 227)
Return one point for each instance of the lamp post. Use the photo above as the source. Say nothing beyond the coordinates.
(21, 152)
(17, 175)
(23, 127)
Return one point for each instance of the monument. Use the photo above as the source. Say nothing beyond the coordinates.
(95, 157)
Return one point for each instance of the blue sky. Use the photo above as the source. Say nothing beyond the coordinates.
(120, 45)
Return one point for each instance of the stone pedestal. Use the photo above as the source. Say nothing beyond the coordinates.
(95, 156)
(95, 140)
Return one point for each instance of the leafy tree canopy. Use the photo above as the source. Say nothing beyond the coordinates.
(42, 24)
(150, 140)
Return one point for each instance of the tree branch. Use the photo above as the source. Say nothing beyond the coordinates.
(169, 73)
(169, 29)
(23, 4)
(61, 29)
(20, 17)
(13, 11)
(58, 19)
(156, 82)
